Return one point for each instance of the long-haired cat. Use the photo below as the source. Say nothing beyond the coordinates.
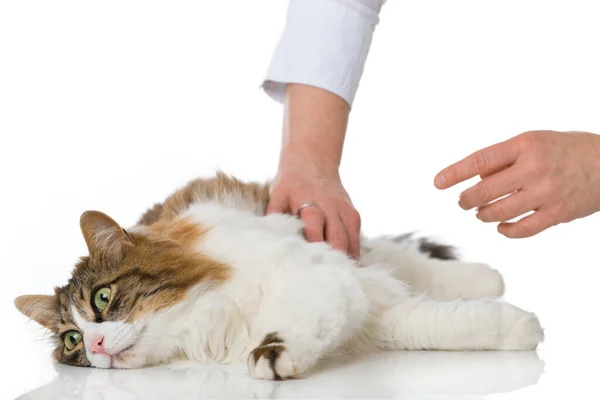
(206, 276)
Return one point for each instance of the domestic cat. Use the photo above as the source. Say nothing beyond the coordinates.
(206, 276)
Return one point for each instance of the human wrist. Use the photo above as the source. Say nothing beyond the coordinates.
(314, 128)
(310, 163)
(322, 153)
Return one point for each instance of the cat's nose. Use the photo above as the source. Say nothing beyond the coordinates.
(97, 347)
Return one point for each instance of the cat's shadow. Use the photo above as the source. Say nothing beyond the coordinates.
(388, 375)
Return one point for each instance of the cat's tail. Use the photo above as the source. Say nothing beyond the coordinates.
(408, 243)
(431, 268)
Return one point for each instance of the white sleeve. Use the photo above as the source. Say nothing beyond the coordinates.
(325, 44)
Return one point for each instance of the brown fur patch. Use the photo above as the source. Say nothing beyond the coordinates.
(202, 190)
(183, 231)
(156, 273)
(151, 216)
(271, 338)
(270, 349)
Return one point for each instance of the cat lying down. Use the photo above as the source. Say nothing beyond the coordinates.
(205, 276)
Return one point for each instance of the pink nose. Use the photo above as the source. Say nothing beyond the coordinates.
(97, 347)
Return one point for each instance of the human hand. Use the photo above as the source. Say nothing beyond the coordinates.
(554, 174)
(303, 180)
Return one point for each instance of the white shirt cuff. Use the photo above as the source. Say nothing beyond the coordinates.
(325, 44)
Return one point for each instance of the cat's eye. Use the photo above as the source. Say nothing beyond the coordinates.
(72, 339)
(101, 298)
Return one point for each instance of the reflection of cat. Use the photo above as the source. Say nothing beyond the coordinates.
(390, 375)
(205, 276)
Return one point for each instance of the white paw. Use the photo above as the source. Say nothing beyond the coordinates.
(520, 330)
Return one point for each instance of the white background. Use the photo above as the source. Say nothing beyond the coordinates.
(112, 105)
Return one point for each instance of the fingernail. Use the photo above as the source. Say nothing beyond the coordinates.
(440, 180)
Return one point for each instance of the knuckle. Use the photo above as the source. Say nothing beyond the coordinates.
(502, 213)
(483, 192)
(529, 140)
(499, 213)
(480, 160)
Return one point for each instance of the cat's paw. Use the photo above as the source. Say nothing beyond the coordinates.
(271, 360)
(521, 330)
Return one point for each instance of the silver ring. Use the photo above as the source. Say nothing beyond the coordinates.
(303, 206)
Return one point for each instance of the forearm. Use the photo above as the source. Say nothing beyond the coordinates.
(314, 128)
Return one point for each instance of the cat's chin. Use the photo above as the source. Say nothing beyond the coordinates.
(119, 364)
(127, 360)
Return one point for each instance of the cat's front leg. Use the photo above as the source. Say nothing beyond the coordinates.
(289, 350)
(273, 359)
(306, 314)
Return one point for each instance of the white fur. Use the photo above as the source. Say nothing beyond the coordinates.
(320, 302)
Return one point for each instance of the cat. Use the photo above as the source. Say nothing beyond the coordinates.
(206, 276)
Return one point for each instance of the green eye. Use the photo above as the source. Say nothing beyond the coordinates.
(101, 298)
(72, 339)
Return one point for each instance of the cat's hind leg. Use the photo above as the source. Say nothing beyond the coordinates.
(420, 323)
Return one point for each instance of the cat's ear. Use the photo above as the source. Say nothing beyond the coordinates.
(102, 233)
(40, 308)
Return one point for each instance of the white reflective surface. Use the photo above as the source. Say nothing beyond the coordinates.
(407, 375)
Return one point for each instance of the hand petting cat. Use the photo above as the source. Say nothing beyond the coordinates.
(330, 216)
(308, 183)
(554, 174)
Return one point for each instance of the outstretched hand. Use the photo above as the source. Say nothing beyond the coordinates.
(554, 174)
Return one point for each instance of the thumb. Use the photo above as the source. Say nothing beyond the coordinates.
(277, 205)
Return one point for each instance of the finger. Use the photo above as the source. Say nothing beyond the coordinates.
(278, 205)
(493, 171)
(481, 162)
(509, 207)
(528, 226)
(491, 188)
(352, 223)
(314, 224)
(335, 232)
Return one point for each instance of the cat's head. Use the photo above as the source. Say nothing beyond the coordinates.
(111, 313)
